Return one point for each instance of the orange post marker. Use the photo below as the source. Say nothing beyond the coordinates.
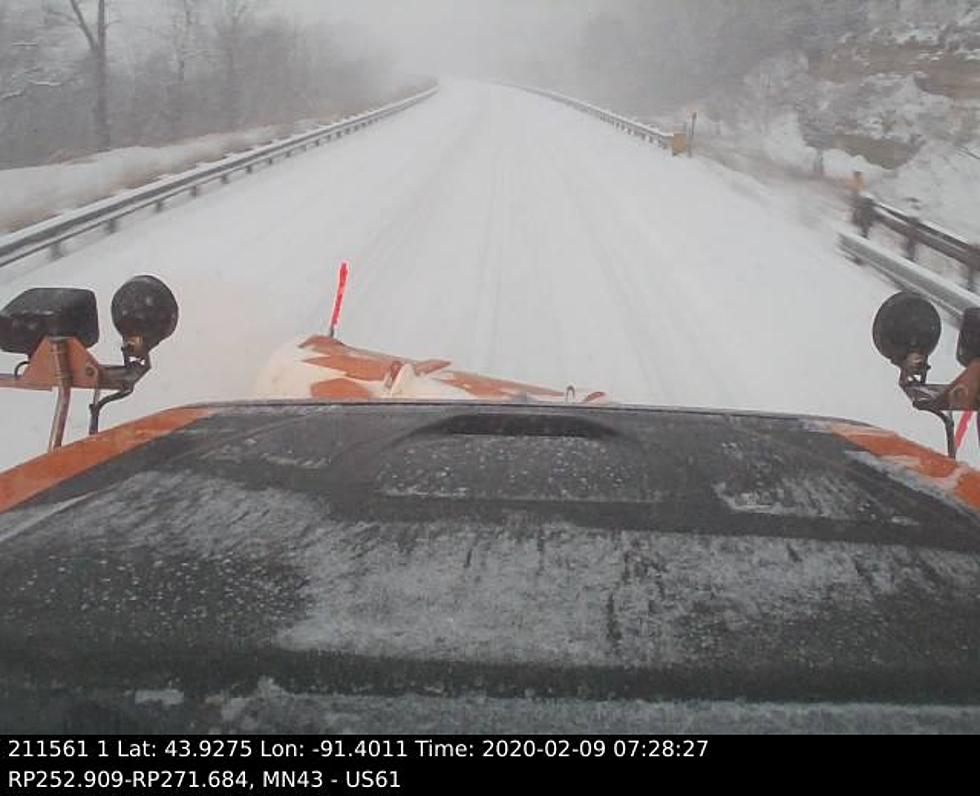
(339, 300)
(965, 419)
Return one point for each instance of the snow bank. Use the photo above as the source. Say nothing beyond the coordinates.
(29, 195)
(944, 182)
(917, 148)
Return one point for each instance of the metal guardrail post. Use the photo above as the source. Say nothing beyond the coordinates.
(863, 213)
(912, 240)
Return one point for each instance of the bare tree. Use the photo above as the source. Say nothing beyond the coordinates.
(15, 58)
(183, 29)
(199, 66)
(21, 65)
(30, 83)
(96, 32)
(231, 18)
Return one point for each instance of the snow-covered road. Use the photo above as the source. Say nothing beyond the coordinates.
(517, 237)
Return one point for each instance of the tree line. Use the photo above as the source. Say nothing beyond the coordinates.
(78, 76)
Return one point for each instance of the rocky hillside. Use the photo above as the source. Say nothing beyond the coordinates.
(899, 101)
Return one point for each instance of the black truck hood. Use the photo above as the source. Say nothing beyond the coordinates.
(500, 552)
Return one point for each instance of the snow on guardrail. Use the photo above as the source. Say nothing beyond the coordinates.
(953, 298)
(678, 143)
(867, 212)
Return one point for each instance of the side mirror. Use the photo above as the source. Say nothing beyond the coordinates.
(145, 313)
(54, 327)
(906, 324)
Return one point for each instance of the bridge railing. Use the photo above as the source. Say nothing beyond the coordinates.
(678, 142)
(917, 234)
(52, 233)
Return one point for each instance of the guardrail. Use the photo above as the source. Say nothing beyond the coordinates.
(678, 143)
(953, 298)
(868, 211)
(106, 213)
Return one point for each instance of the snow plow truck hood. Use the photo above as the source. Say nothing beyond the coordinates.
(493, 549)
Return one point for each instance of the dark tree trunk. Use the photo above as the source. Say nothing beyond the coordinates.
(103, 132)
(97, 38)
(231, 98)
(178, 101)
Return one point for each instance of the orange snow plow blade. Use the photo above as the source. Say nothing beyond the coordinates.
(325, 369)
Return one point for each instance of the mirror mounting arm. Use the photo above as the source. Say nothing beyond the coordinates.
(64, 364)
(962, 395)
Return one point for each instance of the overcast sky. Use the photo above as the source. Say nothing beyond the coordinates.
(447, 37)
(477, 38)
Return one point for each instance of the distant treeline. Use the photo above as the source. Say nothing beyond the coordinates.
(637, 53)
(76, 78)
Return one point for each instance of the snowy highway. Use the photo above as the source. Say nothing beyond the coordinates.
(516, 237)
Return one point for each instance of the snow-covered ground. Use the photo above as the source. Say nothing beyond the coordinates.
(28, 195)
(517, 237)
(940, 181)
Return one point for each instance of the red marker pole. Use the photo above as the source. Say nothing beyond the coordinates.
(963, 427)
(339, 300)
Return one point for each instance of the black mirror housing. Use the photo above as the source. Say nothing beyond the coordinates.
(48, 312)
